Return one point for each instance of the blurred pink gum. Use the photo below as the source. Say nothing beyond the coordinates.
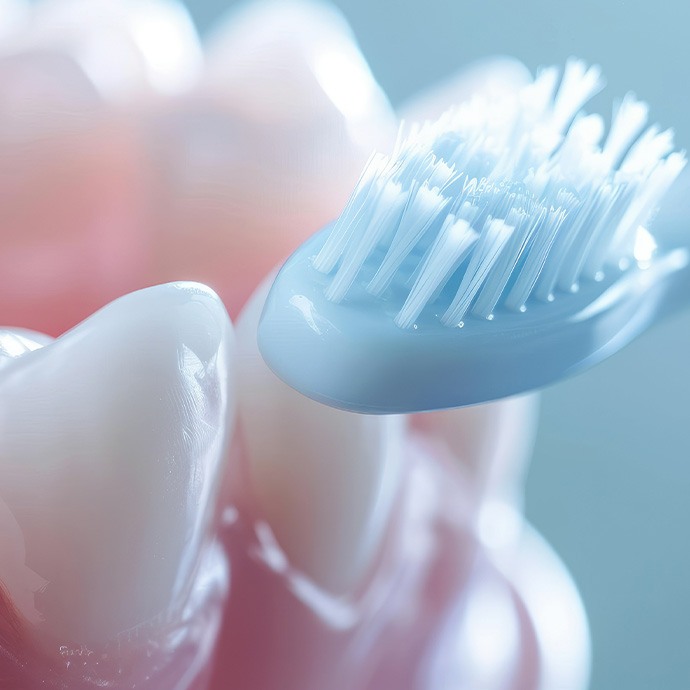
(72, 211)
(102, 198)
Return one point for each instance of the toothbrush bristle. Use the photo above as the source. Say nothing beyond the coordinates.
(502, 201)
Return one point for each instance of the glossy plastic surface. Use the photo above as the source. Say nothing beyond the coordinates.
(352, 355)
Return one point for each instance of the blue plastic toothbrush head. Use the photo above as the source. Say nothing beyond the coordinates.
(498, 249)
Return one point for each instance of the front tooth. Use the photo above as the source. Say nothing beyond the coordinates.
(111, 441)
(324, 479)
(127, 47)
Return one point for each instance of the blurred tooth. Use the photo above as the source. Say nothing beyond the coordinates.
(111, 442)
(324, 479)
(491, 442)
(287, 114)
(293, 71)
(74, 211)
(294, 60)
(127, 47)
(43, 93)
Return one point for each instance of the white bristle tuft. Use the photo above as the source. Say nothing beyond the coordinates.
(356, 207)
(629, 117)
(536, 98)
(423, 207)
(503, 200)
(647, 199)
(447, 253)
(489, 245)
(580, 83)
(388, 206)
(498, 278)
(542, 238)
(649, 149)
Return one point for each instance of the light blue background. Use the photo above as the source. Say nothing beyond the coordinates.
(610, 482)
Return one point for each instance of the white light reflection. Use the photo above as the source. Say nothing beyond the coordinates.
(480, 645)
(347, 81)
(498, 524)
(490, 634)
(557, 613)
(644, 248)
(167, 38)
(318, 323)
(13, 344)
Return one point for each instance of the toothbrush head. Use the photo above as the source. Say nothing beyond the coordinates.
(496, 250)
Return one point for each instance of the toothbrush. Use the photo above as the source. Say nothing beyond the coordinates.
(496, 250)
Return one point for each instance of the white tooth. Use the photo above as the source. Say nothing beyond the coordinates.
(111, 442)
(324, 479)
(268, 154)
(126, 47)
(491, 442)
(290, 61)
(294, 79)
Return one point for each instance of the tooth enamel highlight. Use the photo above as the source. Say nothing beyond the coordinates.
(111, 442)
(324, 479)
